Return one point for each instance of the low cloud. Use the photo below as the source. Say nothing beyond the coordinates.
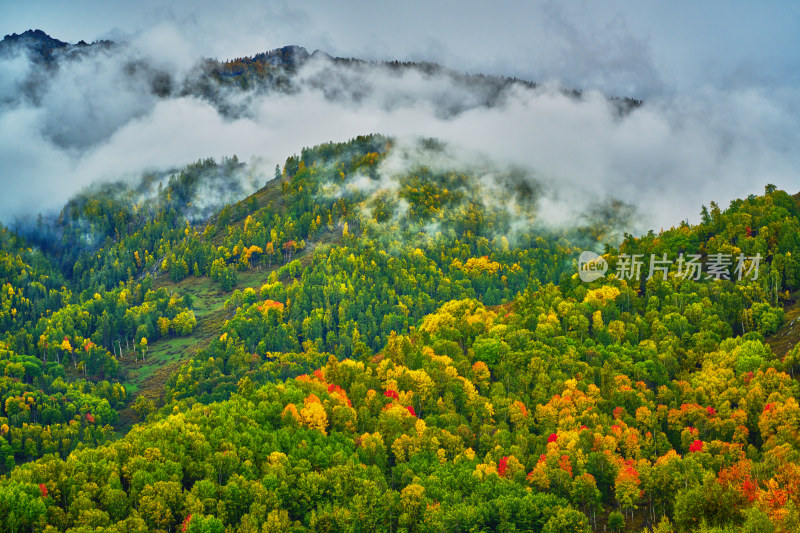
(98, 119)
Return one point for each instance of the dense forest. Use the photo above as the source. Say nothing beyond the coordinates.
(358, 349)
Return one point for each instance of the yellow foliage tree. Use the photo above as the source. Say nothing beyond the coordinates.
(484, 470)
(314, 415)
(482, 374)
(601, 296)
(163, 326)
(476, 266)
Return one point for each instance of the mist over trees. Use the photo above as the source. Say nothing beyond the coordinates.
(145, 112)
(417, 353)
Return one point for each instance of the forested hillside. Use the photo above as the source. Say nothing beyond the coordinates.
(362, 345)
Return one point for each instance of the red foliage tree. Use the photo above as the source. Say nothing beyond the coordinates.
(502, 466)
(186, 521)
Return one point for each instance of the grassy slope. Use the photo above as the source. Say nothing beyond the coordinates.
(166, 355)
(789, 335)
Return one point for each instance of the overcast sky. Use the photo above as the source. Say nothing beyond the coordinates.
(720, 81)
(635, 47)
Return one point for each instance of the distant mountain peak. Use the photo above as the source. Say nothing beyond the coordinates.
(33, 37)
(36, 41)
(36, 34)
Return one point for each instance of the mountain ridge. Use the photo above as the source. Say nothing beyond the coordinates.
(288, 58)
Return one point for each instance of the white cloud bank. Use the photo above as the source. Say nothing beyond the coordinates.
(94, 121)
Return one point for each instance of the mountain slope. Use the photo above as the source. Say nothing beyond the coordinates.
(341, 361)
